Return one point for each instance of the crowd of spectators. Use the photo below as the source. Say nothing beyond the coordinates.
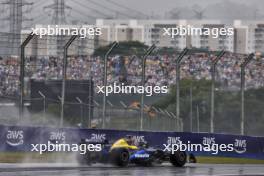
(160, 70)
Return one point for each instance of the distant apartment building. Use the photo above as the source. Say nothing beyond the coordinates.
(119, 30)
(151, 32)
(146, 31)
(222, 42)
(249, 36)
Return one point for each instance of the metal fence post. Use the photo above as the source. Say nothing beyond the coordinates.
(191, 107)
(44, 105)
(105, 81)
(178, 61)
(22, 73)
(81, 104)
(90, 103)
(213, 70)
(148, 52)
(242, 91)
(64, 75)
(198, 118)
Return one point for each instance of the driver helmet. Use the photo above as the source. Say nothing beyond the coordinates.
(143, 144)
(130, 140)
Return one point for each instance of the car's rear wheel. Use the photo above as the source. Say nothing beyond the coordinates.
(120, 157)
(178, 159)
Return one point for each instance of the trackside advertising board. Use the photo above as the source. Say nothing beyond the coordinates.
(18, 138)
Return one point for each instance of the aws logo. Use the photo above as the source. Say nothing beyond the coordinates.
(57, 136)
(98, 137)
(240, 146)
(174, 140)
(15, 137)
(208, 140)
(139, 139)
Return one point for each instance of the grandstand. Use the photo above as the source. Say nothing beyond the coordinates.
(160, 70)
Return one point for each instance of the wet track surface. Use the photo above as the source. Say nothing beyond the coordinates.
(165, 170)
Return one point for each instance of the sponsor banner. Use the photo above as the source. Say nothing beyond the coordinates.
(17, 138)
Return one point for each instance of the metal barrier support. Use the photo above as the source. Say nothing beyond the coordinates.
(242, 91)
(64, 74)
(22, 73)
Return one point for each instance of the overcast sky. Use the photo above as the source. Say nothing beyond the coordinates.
(184, 9)
(160, 6)
(86, 11)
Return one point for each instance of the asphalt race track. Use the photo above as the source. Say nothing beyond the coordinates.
(164, 170)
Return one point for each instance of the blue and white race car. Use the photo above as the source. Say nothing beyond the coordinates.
(123, 152)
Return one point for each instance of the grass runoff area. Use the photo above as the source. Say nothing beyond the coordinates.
(29, 157)
(227, 160)
(33, 157)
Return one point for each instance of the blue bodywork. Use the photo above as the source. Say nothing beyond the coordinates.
(140, 154)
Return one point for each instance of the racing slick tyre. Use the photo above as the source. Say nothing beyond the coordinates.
(178, 159)
(120, 157)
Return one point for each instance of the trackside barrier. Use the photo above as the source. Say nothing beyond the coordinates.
(18, 138)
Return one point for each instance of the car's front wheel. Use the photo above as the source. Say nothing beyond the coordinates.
(178, 159)
(120, 157)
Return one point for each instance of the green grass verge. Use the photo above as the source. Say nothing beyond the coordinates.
(227, 160)
(32, 157)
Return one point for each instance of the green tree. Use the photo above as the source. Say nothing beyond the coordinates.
(227, 107)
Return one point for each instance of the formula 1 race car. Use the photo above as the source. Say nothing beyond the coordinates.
(121, 153)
